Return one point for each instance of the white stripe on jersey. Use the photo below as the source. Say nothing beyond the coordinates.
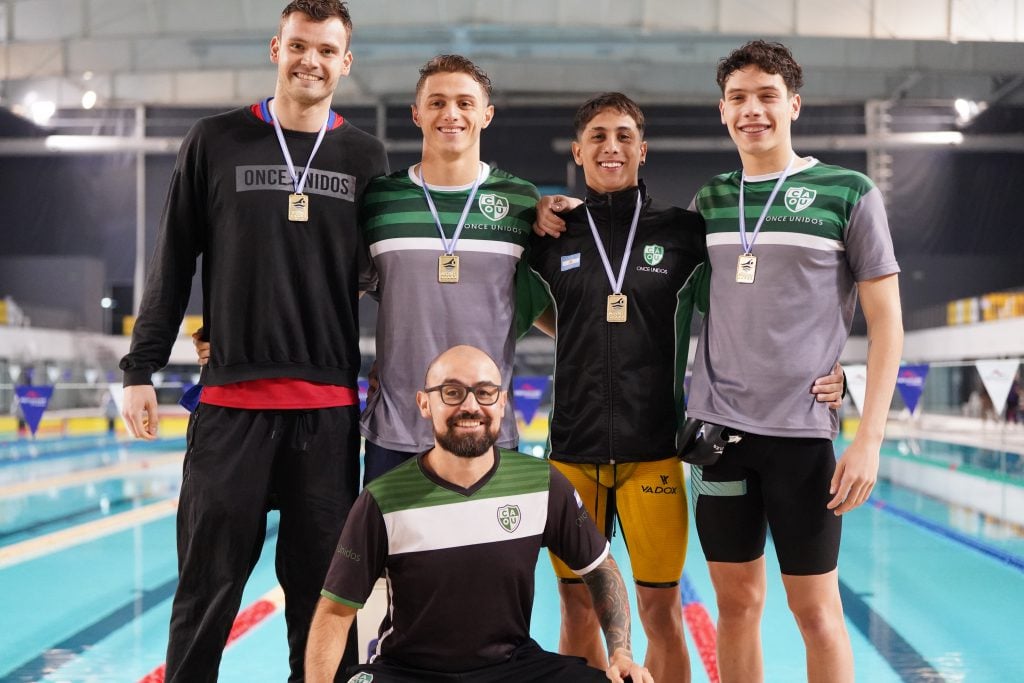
(791, 239)
(470, 522)
(434, 244)
(593, 565)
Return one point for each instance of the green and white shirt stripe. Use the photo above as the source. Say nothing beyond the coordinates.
(763, 344)
(495, 300)
(459, 563)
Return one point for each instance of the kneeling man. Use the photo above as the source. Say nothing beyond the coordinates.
(457, 532)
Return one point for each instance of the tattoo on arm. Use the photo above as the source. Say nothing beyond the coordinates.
(611, 603)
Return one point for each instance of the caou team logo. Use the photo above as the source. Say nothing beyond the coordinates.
(493, 206)
(361, 678)
(799, 198)
(509, 517)
(653, 253)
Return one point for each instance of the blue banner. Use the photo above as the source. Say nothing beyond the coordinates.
(364, 390)
(910, 382)
(527, 393)
(33, 401)
(190, 396)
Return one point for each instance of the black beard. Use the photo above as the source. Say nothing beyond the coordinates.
(467, 446)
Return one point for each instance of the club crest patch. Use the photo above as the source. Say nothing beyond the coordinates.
(361, 678)
(653, 253)
(799, 198)
(493, 206)
(509, 517)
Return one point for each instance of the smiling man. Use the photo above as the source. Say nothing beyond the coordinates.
(617, 277)
(456, 531)
(268, 195)
(447, 238)
(794, 244)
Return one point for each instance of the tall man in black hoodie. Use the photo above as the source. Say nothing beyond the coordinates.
(268, 195)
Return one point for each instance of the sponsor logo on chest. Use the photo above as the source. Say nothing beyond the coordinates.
(493, 206)
(509, 517)
(324, 183)
(799, 198)
(653, 255)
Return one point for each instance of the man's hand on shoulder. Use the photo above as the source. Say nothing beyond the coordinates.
(139, 411)
(548, 223)
(621, 665)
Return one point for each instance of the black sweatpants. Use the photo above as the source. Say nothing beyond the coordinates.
(240, 464)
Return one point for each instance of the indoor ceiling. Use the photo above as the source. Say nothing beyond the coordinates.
(203, 52)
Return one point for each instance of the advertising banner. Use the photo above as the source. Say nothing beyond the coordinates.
(33, 401)
(997, 376)
(527, 393)
(910, 382)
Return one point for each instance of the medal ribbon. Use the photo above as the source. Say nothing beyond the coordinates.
(449, 247)
(616, 284)
(747, 246)
(297, 182)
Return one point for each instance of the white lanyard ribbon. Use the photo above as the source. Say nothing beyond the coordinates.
(747, 246)
(449, 247)
(297, 182)
(616, 284)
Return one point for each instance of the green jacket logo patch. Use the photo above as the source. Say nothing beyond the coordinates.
(799, 198)
(653, 253)
(493, 206)
(361, 678)
(509, 517)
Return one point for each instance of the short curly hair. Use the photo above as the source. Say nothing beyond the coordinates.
(772, 58)
(609, 100)
(454, 64)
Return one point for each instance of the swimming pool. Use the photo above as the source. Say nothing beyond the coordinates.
(932, 592)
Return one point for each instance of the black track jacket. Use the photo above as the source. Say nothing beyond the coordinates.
(618, 386)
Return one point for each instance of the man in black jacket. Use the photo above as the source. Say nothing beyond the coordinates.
(268, 195)
(618, 278)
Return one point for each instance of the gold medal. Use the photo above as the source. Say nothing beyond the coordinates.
(447, 268)
(746, 266)
(298, 207)
(617, 306)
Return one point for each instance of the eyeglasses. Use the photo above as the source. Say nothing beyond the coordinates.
(486, 394)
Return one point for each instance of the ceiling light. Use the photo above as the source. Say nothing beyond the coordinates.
(42, 111)
(967, 110)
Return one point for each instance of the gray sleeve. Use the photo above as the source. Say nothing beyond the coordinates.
(868, 242)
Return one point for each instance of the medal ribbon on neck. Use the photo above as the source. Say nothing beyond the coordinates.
(616, 283)
(449, 247)
(747, 246)
(297, 182)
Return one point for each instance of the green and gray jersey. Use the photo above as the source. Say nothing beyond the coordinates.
(459, 563)
(763, 344)
(495, 300)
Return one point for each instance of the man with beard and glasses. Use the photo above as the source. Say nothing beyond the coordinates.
(457, 531)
